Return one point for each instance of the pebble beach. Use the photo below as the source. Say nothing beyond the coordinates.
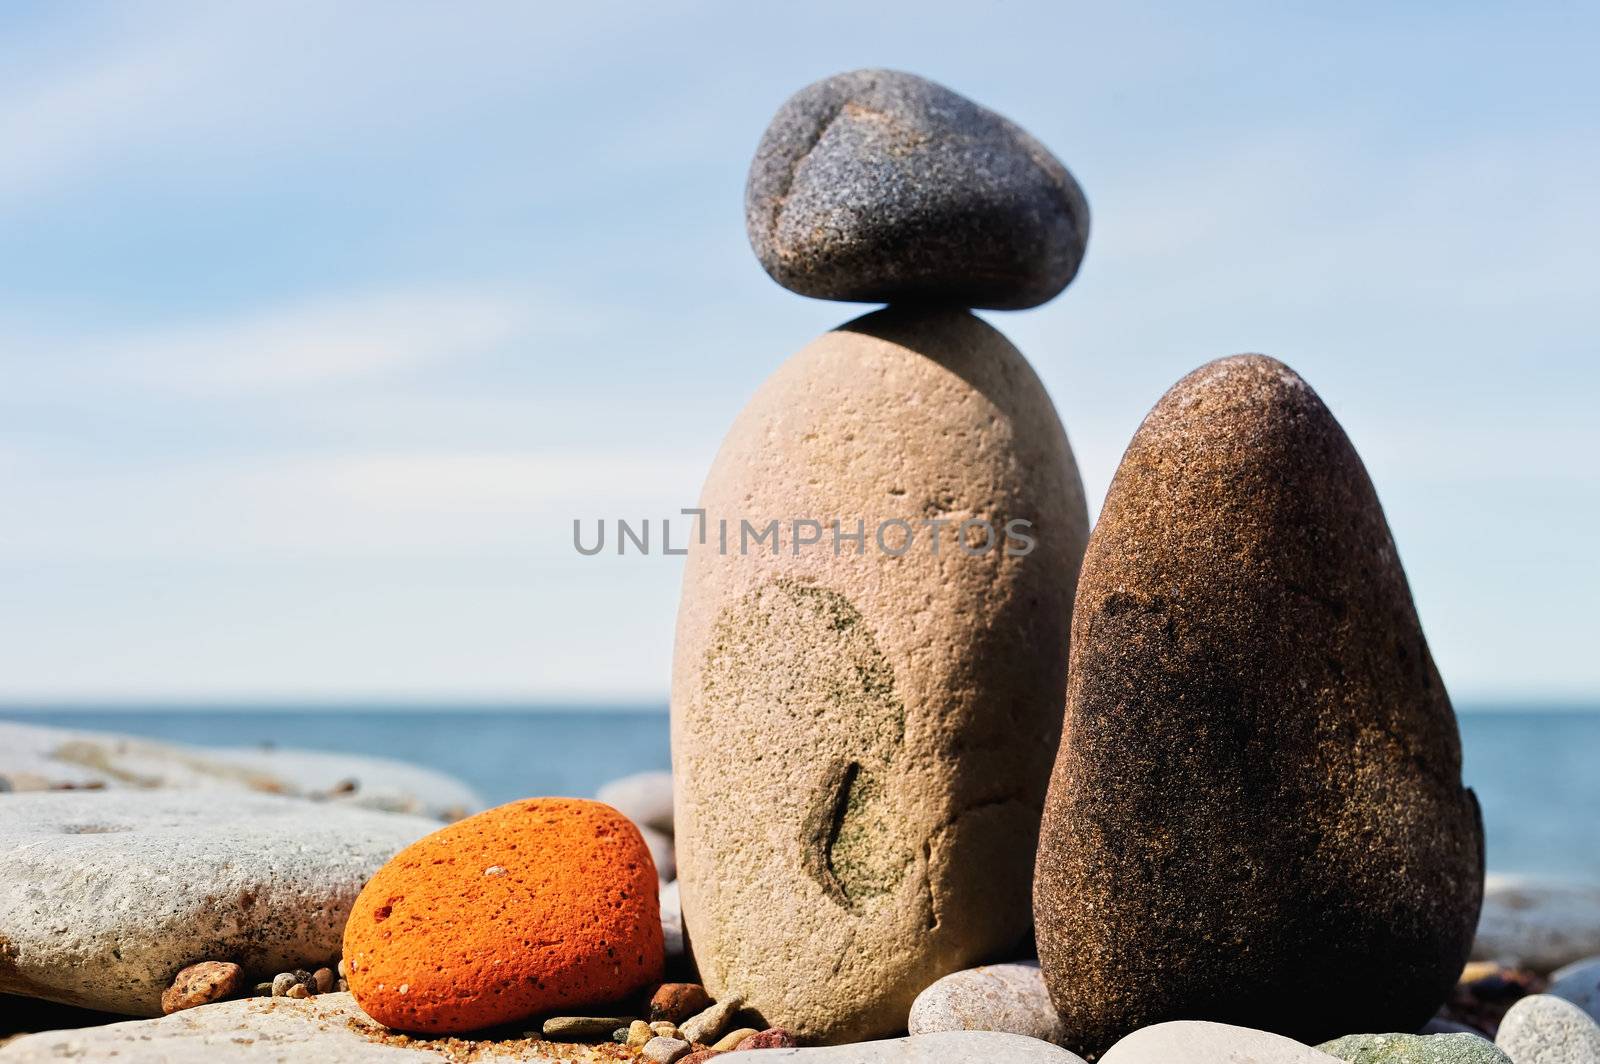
(1183, 785)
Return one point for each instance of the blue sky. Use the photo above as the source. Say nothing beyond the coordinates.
(320, 323)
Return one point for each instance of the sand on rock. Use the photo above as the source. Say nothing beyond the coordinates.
(861, 739)
(1256, 814)
(326, 1029)
(944, 1047)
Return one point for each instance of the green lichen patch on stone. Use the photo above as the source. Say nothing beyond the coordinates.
(804, 661)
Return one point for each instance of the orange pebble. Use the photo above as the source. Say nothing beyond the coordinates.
(536, 906)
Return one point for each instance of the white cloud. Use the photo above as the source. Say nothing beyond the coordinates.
(320, 341)
(439, 504)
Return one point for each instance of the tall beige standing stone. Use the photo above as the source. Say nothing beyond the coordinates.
(862, 737)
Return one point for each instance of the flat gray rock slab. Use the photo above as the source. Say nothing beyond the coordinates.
(327, 1029)
(1542, 925)
(105, 896)
(1542, 1029)
(998, 997)
(38, 757)
(946, 1047)
(1202, 1042)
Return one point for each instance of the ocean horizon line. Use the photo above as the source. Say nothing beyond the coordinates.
(534, 706)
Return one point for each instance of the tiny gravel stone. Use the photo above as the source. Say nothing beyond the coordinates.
(664, 1028)
(201, 984)
(263, 990)
(1544, 1029)
(1414, 1049)
(298, 992)
(676, 1002)
(582, 1028)
(281, 983)
(638, 1033)
(732, 1039)
(771, 1038)
(705, 1026)
(664, 1050)
(322, 980)
(342, 986)
(344, 971)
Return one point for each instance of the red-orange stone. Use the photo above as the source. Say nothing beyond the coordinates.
(536, 906)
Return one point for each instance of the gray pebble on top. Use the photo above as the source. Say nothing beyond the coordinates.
(880, 186)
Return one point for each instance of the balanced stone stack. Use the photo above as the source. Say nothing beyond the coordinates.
(865, 705)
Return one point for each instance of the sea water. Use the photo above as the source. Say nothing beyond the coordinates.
(1536, 772)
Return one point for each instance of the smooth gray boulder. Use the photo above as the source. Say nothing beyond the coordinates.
(105, 896)
(39, 757)
(878, 186)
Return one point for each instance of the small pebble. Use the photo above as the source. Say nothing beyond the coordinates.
(322, 980)
(732, 1039)
(664, 1028)
(342, 986)
(1544, 1029)
(344, 972)
(638, 1034)
(1414, 1049)
(582, 1028)
(281, 983)
(201, 984)
(678, 1001)
(263, 990)
(664, 1050)
(298, 992)
(1579, 983)
(705, 1026)
(771, 1038)
(620, 1035)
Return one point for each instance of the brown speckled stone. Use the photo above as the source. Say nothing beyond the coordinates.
(201, 984)
(1256, 815)
(861, 742)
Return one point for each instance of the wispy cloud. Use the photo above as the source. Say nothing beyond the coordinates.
(320, 341)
